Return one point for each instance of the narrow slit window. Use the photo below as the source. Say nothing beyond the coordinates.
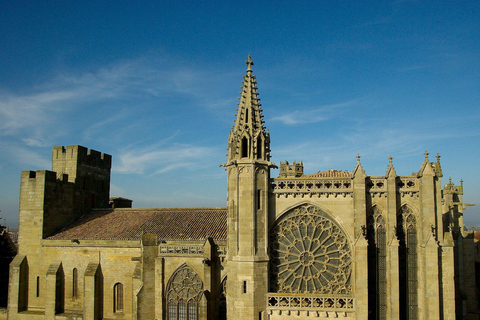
(259, 201)
(38, 287)
(244, 286)
(74, 282)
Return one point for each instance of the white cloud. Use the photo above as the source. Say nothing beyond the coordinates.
(319, 114)
(163, 159)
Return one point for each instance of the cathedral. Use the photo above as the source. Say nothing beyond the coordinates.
(332, 244)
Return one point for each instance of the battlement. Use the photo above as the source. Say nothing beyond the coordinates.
(81, 155)
(291, 170)
(43, 175)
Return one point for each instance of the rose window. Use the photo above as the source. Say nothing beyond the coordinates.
(310, 254)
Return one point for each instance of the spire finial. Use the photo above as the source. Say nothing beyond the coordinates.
(438, 157)
(358, 157)
(461, 182)
(249, 63)
(390, 159)
(450, 181)
(426, 154)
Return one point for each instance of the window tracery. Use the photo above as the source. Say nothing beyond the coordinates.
(407, 260)
(377, 269)
(184, 292)
(310, 254)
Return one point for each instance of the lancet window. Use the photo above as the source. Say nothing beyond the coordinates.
(245, 147)
(310, 254)
(184, 291)
(377, 269)
(259, 148)
(407, 260)
(118, 297)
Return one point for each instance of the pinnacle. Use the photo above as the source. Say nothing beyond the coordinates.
(249, 63)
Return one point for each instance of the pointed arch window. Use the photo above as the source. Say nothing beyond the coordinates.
(183, 294)
(118, 297)
(407, 263)
(259, 148)
(377, 265)
(244, 147)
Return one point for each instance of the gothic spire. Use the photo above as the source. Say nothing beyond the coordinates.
(249, 116)
(249, 140)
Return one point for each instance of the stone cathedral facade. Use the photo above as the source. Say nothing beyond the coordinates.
(333, 244)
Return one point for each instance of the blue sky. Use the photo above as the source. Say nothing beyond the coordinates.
(155, 84)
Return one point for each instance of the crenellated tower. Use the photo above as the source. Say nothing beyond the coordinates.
(49, 200)
(248, 169)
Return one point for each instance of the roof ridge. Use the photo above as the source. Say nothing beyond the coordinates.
(159, 209)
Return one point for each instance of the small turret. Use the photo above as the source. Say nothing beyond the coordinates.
(294, 170)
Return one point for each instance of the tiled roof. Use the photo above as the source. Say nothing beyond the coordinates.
(329, 174)
(130, 224)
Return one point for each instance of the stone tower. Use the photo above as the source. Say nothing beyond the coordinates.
(248, 178)
(49, 200)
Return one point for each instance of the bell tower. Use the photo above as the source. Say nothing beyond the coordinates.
(248, 170)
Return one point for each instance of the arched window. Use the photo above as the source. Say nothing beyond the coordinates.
(407, 263)
(244, 147)
(118, 297)
(183, 294)
(377, 260)
(259, 148)
(74, 283)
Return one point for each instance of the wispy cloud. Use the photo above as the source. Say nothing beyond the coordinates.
(163, 159)
(319, 114)
(104, 98)
(373, 143)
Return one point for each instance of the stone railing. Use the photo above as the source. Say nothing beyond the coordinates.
(166, 249)
(408, 186)
(180, 250)
(319, 187)
(340, 303)
(405, 186)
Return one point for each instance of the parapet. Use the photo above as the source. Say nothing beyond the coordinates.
(40, 175)
(81, 155)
